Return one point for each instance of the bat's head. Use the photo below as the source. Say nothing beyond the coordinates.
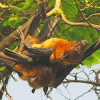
(69, 53)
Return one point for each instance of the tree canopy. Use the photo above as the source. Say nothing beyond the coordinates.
(78, 20)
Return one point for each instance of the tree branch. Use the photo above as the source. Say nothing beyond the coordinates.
(7, 7)
(91, 49)
(84, 93)
(77, 23)
(13, 3)
(81, 81)
(93, 15)
(57, 9)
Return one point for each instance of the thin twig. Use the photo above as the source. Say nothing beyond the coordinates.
(77, 23)
(88, 6)
(82, 14)
(93, 15)
(47, 94)
(81, 81)
(84, 93)
(62, 94)
(7, 94)
(6, 10)
(10, 6)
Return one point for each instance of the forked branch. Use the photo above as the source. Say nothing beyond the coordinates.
(57, 9)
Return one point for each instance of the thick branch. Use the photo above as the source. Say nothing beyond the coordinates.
(7, 41)
(48, 28)
(55, 9)
(67, 69)
(3, 6)
(58, 3)
(91, 49)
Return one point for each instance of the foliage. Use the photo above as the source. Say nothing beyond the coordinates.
(18, 14)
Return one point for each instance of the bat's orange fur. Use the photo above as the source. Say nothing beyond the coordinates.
(64, 52)
(37, 76)
(35, 40)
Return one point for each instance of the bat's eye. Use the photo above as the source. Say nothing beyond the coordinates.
(77, 51)
(65, 56)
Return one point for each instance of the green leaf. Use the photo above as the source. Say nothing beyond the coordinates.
(69, 8)
(28, 5)
(14, 45)
(2, 68)
(14, 22)
(93, 59)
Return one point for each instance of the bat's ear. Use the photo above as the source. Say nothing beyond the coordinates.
(83, 43)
